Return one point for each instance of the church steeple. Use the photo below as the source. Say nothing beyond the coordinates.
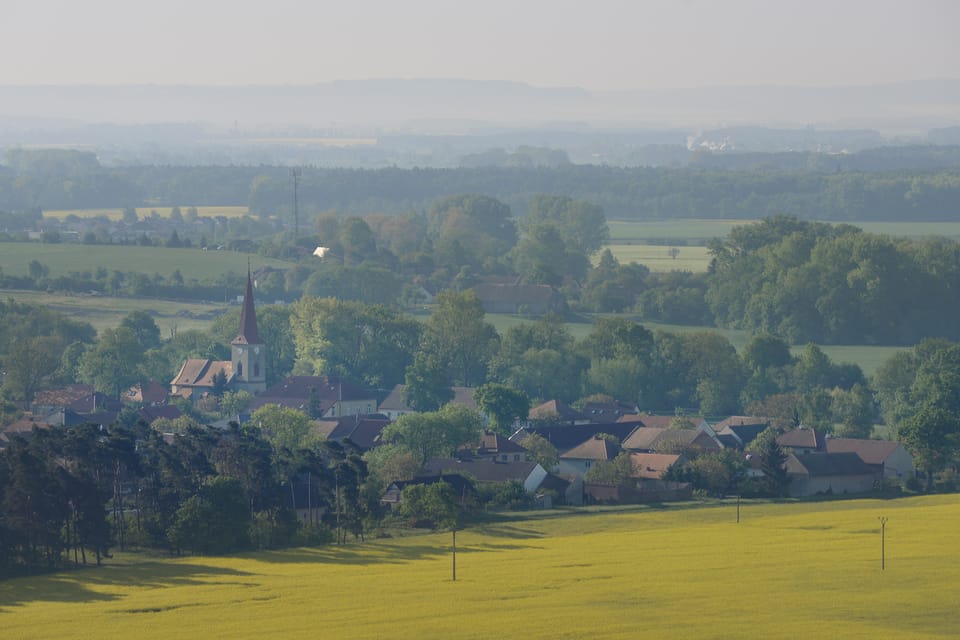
(249, 351)
(248, 317)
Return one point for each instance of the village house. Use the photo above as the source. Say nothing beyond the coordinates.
(535, 479)
(888, 459)
(828, 473)
(737, 432)
(802, 440)
(394, 406)
(663, 439)
(362, 431)
(565, 437)
(493, 446)
(461, 485)
(578, 460)
(319, 396)
(555, 412)
(150, 393)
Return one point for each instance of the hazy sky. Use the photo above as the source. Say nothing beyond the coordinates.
(595, 44)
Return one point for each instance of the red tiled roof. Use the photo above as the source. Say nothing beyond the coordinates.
(197, 372)
(596, 448)
(63, 396)
(801, 439)
(552, 408)
(827, 464)
(653, 437)
(151, 392)
(482, 470)
(168, 411)
(736, 421)
(25, 425)
(651, 466)
(870, 451)
(494, 443)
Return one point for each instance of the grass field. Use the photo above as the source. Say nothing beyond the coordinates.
(788, 571)
(142, 212)
(64, 258)
(695, 229)
(105, 312)
(643, 241)
(657, 257)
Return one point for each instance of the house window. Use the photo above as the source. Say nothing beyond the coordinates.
(256, 370)
(516, 457)
(587, 464)
(239, 369)
(504, 457)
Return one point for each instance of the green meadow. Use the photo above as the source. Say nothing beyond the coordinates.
(63, 258)
(697, 230)
(660, 258)
(649, 242)
(142, 212)
(802, 570)
(107, 312)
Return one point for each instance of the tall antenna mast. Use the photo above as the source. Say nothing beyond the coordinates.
(295, 174)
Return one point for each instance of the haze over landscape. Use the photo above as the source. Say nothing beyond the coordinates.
(290, 292)
(434, 67)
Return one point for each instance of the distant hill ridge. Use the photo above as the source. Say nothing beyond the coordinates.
(927, 102)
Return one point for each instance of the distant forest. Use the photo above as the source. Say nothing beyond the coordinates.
(742, 188)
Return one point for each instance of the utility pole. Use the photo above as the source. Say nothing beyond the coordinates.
(883, 535)
(295, 173)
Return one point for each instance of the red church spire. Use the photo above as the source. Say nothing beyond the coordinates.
(248, 317)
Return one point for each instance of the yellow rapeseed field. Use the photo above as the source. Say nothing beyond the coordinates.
(785, 571)
(116, 213)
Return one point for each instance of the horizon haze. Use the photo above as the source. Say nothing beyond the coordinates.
(612, 45)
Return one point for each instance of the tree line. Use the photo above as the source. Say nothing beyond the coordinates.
(814, 282)
(803, 281)
(72, 491)
(59, 179)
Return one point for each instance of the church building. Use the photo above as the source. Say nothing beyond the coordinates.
(246, 370)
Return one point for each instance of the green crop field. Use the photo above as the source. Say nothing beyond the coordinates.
(807, 570)
(142, 212)
(65, 258)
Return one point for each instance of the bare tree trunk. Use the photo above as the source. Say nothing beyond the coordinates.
(118, 504)
(339, 532)
(309, 498)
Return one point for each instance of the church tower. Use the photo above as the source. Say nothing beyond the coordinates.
(249, 351)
